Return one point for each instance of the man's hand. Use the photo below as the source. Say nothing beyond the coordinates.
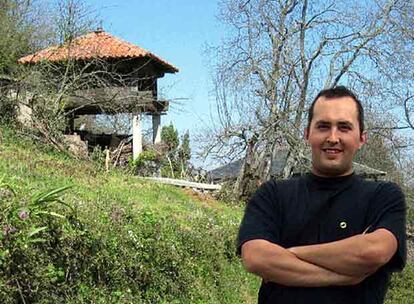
(359, 255)
(274, 263)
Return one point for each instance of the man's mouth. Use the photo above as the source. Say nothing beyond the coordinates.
(332, 151)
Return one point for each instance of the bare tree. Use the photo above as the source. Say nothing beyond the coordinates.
(74, 18)
(277, 55)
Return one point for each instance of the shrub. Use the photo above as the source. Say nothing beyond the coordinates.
(146, 164)
(144, 157)
(31, 239)
(8, 109)
(53, 253)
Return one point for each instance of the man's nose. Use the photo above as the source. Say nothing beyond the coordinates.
(333, 137)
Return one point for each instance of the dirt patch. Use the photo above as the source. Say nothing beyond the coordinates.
(204, 197)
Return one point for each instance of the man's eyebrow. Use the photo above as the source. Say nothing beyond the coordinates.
(346, 123)
(322, 122)
(341, 123)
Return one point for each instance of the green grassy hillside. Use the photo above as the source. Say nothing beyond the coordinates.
(112, 238)
(119, 240)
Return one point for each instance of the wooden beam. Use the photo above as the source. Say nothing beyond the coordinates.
(182, 183)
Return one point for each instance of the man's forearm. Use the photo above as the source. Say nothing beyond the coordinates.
(355, 256)
(276, 264)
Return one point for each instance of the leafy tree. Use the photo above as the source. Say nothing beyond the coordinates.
(184, 154)
(15, 40)
(169, 135)
(14, 37)
(24, 27)
(185, 151)
(178, 156)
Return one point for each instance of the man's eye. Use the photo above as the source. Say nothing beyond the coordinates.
(322, 127)
(345, 128)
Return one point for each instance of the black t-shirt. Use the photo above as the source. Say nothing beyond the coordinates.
(312, 210)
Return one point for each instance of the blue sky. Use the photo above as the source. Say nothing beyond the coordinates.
(178, 32)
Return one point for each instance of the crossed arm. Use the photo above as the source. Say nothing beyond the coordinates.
(345, 262)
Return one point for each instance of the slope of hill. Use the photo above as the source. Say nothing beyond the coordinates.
(109, 237)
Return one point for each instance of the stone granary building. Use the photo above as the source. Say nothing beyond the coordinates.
(133, 90)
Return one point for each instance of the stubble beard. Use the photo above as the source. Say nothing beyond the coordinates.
(328, 168)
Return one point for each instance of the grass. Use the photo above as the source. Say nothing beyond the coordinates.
(160, 217)
(29, 168)
(401, 290)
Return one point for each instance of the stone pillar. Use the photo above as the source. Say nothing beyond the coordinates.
(136, 136)
(156, 128)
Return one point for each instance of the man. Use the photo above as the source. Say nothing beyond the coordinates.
(329, 236)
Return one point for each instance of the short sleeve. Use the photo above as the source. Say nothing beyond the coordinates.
(261, 215)
(388, 211)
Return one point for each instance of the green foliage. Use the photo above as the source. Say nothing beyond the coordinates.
(402, 287)
(98, 154)
(110, 238)
(32, 233)
(98, 158)
(410, 214)
(184, 152)
(169, 135)
(144, 157)
(7, 109)
(146, 164)
(177, 156)
(15, 36)
(18, 26)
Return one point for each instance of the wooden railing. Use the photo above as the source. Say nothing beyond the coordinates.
(115, 100)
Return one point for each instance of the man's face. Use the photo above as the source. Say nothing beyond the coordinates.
(334, 136)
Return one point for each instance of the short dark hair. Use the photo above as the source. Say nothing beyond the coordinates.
(337, 92)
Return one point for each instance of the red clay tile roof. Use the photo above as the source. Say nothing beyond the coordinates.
(97, 44)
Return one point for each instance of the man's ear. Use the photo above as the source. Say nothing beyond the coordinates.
(363, 138)
(306, 133)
